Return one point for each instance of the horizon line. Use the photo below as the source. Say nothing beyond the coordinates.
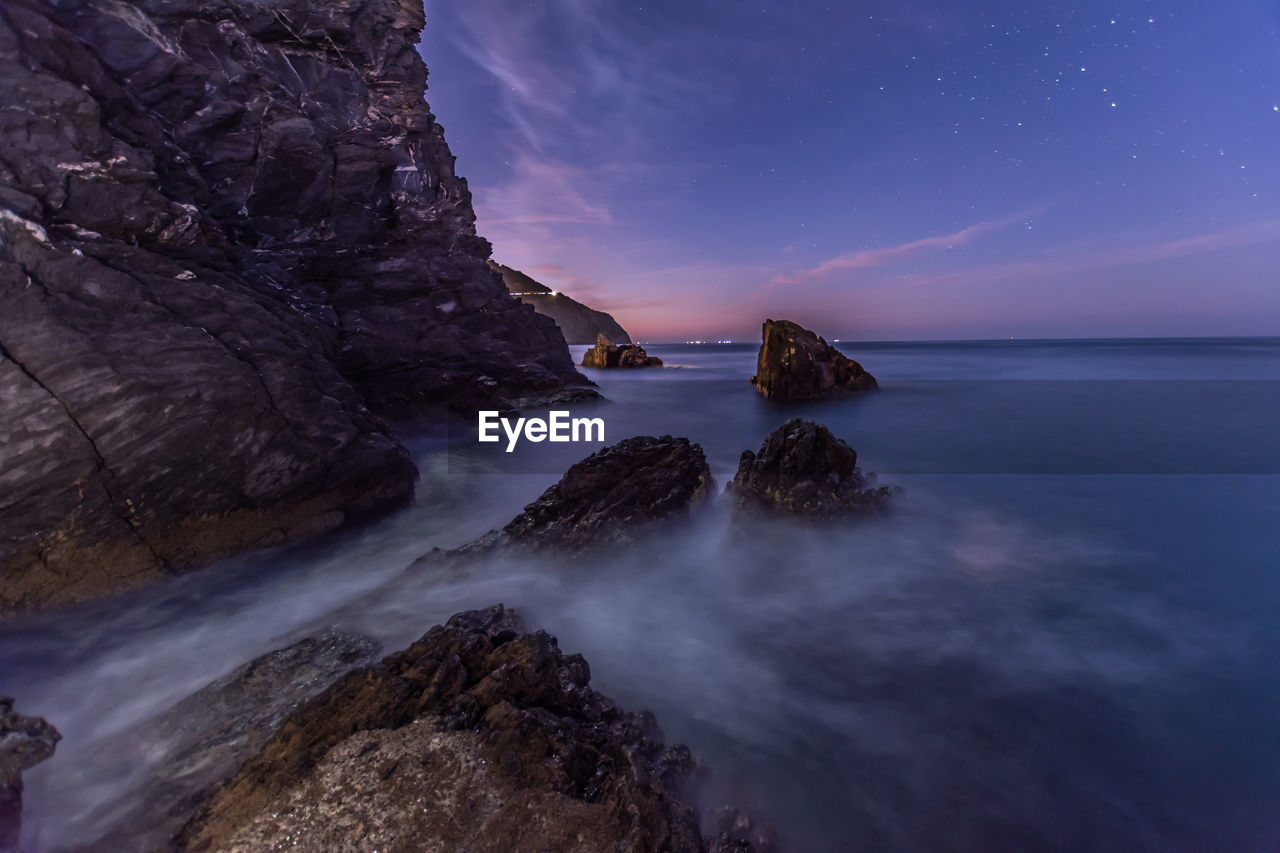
(713, 341)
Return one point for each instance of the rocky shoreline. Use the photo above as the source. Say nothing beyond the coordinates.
(483, 734)
(230, 289)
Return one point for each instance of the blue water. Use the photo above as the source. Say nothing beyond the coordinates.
(1064, 637)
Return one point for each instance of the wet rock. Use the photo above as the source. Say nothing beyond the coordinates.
(795, 365)
(578, 323)
(604, 498)
(24, 743)
(480, 736)
(233, 248)
(606, 354)
(803, 469)
(201, 741)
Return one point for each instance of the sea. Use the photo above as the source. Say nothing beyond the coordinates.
(1063, 636)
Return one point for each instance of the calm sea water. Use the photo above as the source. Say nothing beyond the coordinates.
(1064, 637)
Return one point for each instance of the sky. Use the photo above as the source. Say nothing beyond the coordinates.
(875, 170)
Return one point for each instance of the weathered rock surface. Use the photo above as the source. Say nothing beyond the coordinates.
(606, 354)
(480, 736)
(24, 743)
(231, 243)
(578, 323)
(803, 469)
(604, 498)
(197, 745)
(795, 365)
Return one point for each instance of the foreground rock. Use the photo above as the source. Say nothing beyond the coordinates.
(606, 354)
(795, 365)
(24, 743)
(480, 736)
(802, 469)
(578, 323)
(232, 242)
(197, 745)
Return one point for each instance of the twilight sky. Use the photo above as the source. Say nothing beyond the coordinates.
(876, 169)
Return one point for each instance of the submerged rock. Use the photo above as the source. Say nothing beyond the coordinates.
(803, 469)
(233, 246)
(480, 736)
(24, 743)
(201, 741)
(606, 354)
(795, 365)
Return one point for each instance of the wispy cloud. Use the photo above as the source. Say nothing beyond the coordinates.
(890, 254)
(1134, 253)
(582, 91)
(541, 192)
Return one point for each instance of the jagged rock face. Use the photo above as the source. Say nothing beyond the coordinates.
(606, 354)
(578, 323)
(605, 497)
(795, 365)
(24, 743)
(803, 469)
(231, 242)
(196, 745)
(480, 736)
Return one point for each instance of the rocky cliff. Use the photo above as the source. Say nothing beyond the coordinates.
(578, 323)
(232, 245)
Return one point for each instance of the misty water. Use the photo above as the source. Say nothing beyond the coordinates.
(1063, 637)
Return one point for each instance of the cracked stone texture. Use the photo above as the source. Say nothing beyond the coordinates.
(481, 736)
(232, 249)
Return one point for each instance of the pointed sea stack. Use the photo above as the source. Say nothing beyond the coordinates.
(795, 365)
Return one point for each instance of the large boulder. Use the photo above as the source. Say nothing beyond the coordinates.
(606, 354)
(24, 743)
(233, 248)
(604, 498)
(803, 469)
(795, 365)
(480, 736)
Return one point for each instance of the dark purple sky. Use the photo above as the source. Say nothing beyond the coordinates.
(877, 170)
